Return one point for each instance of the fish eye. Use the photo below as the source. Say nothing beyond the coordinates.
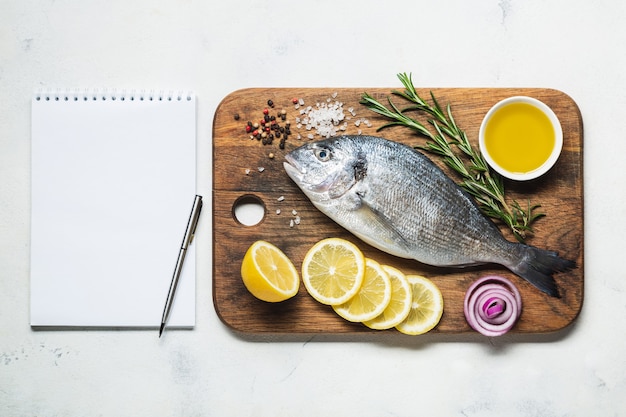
(323, 154)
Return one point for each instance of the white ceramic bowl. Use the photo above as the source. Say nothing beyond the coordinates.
(549, 162)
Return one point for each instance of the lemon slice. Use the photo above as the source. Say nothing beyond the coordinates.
(426, 307)
(332, 270)
(268, 273)
(400, 304)
(373, 296)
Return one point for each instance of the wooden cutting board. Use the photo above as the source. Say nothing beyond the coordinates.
(243, 169)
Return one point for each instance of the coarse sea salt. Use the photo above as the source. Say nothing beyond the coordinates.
(325, 118)
(364, 121)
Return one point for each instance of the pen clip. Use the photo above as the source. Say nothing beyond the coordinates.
(192, 224)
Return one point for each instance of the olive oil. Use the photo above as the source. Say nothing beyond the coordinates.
(519, 137)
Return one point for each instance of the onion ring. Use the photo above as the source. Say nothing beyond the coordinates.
(492, 305)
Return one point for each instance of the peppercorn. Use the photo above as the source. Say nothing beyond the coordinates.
(236, 116)
(270, 125)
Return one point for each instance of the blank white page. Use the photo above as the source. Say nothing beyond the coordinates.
(113, 182)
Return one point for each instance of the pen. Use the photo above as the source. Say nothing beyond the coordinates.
(189, 233)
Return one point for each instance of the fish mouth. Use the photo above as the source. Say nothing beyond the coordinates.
(292, 168)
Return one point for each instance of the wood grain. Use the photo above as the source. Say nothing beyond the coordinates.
(560, 193)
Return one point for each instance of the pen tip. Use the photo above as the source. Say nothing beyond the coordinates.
(161, 329)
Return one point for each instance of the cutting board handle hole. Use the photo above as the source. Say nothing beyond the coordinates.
(248, 210)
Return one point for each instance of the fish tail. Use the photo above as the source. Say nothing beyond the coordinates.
(537, 267)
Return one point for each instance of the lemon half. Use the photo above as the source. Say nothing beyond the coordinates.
(268, 273)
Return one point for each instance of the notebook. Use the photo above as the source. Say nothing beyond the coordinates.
(113, 183)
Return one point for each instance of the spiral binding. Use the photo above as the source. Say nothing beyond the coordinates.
(87, 95)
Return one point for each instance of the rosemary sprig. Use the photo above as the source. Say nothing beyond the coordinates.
(449, 142)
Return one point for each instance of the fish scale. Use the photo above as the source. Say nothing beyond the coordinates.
(397, 200)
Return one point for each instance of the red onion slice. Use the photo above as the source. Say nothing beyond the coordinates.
(492, 305)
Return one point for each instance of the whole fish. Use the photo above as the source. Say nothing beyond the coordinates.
(397, 200)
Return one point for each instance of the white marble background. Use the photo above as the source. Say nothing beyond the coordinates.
(214, 48)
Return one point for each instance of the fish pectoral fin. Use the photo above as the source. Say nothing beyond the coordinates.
(382, 234)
